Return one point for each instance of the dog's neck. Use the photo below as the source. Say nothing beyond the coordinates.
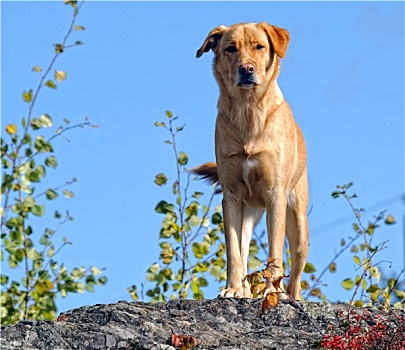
(249, 109)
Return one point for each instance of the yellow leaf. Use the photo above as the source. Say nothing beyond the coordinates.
(332, 267)
(11, 129)
(267, 274)
(95, 271)
(262, 287)
(37, 69)
(41, 287)
(389, 220)
(27, 96)
(357, 260)
(60, 75)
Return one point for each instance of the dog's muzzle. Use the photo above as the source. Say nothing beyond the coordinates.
(247, 75)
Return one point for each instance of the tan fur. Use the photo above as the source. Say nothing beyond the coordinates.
(260, 151)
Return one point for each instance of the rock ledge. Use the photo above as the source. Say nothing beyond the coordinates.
(217, 324)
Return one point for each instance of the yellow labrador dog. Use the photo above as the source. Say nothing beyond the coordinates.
(260, 151)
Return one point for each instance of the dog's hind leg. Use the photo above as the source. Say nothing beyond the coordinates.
(297, 234)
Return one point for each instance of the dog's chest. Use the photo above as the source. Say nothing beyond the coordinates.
(251, 174)
(250, 170)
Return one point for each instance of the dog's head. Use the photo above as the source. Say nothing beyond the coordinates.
(245, 53)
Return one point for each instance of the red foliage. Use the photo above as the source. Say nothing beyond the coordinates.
(367, 333)
(184, 342)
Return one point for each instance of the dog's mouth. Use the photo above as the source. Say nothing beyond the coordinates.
(247, 84)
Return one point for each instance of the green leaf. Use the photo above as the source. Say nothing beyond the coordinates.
(51, 194)
(37, 174)
(29, 202)
(90, 287)
(216, 271)
(38, 210)
(348, 284)
(154, 268)
(254, 263)
(197, 250)
(202, 282)
(359, 303)
(336, 194)
(161, 124)
(163, 207)
(58, 48)
(102, 281)
(169, 114)
(27, 96)
(200, 249)
(95, 271)
(40, 145)
(375, 273)
(400, 294)
(68, 194)
(26, 139)
(75, 27)
(50, 252)
(32, 253)
(216, 219)
(202, 266)
(183, 158)
(309, 268)
(160, 179)
(36, 123)
(195, 220)
(51, 84)
(372, 288)
(304, 285)
(46, 120)
(197, 195)
(3, 279)
(391, 283)
(51, 161)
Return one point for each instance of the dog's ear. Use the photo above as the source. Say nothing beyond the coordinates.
(212, 40)
(279, 38)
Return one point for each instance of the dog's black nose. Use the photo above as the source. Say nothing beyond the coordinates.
(246, 69)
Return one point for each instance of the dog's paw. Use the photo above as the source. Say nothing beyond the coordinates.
(231, 293)
(246, 291)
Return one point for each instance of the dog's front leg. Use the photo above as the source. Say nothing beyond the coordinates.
(276, 226)
(233, 218)
(251, 216)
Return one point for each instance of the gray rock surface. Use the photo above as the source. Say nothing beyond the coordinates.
(217, 324)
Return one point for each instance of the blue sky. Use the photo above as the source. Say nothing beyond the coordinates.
(343, 76)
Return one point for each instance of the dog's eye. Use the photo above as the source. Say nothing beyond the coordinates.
(259, 47)
(231, 49)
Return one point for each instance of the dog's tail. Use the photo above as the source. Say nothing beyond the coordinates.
(208, 171)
